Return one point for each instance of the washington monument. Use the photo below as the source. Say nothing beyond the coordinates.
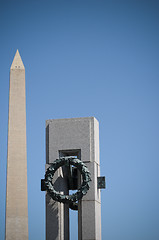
(16, 193)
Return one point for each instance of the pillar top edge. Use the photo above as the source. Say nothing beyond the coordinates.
(70, 119)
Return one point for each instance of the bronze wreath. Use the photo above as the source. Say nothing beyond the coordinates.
(81, 191)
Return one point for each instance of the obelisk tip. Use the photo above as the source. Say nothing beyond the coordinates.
(17, 62)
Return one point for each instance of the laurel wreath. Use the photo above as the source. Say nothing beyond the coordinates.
(81, 191)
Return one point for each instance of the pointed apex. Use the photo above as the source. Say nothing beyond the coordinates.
(17, 62)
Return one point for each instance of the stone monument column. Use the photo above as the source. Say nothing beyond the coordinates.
(16, 193)
(78, 137)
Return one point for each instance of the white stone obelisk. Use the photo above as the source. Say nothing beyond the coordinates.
(16, 193)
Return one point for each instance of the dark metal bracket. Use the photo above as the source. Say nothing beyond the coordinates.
(101, 183)
(43, 187)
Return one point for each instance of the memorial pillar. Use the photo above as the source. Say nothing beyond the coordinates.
(77, 137)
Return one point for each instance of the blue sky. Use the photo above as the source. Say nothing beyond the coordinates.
(89, 58)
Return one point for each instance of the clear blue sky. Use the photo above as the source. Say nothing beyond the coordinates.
(89, 58)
